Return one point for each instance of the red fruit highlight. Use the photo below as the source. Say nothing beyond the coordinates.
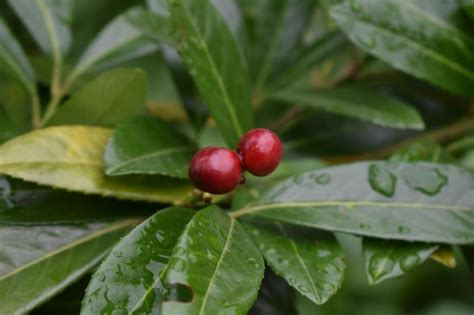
(215, 170)
(260, 150)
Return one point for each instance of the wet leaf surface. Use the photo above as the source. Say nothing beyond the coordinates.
(128, 281)
(430, 202)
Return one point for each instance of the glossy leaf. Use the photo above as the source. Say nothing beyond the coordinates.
(216, 260)
(412, 39)
(24, 203)
(386, 259)
(214, 61)
(313, 267)
(39, 261)
(404, 201)
(129, 278)
(390, 259)
(70, 158)
(117, 42)
(145, 145)
(48, 23)
(13, 61)
(107, 100)
(355, 102)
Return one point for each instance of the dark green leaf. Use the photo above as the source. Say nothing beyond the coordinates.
(390, 259)
(13, 61)
(70, 157)
(323, 49)
(418, 202)
(355, 102)
(215, 63)
(28, 204)
(118, 41)
(279, 27)
(48, 23)
(468, 6)
(109, 99)
(37, 262)
(146, 145)
(128, 281)
(313, 267)
(386, 259)
(422, 151)
(411, 39)
(217, 261)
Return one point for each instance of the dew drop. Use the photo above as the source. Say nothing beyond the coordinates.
(292, 281)
(303, 288)
(381, 180)
(404, 229)
(426, 180)
(323, 179)
(178, 264)
(356, 6)
(180, 251)
(410, 262)
(118, 254)
(380, 266)
(100, 276)
(299, 179)
(368, 41)
(364, 226)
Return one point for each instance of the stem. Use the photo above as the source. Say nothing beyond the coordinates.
(36, 112)
(57, 93)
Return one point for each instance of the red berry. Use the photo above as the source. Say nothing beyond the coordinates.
(215, 170)
(260, 150)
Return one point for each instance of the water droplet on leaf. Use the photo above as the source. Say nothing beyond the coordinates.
(381, 180)
(409, 262)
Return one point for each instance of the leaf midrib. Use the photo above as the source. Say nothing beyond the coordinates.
(347, 204)
(301, 262)
(99, 233)
(221, 258)
(165, 152)
(435, 55)
(218, 78)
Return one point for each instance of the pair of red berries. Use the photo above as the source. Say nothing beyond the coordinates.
(219, 170)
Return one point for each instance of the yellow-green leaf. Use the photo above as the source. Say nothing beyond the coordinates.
(70, 157)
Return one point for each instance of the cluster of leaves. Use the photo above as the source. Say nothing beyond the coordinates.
(100, 120)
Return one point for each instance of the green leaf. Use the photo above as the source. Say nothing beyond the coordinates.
(313, 267)
(37, 262)
(117, 42)
(279, 28)
(386, 259)
(157, 26)
(24, 203)
(13, 61)
(129, 278)
(215, 258)
(47, 21)
(411, 39)
(70, 157)
(323, 49)
(422, 151)
(107, 100)
(468, 6)
(215, 63)
(355, 102)
(417, 202)
(145, 145)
